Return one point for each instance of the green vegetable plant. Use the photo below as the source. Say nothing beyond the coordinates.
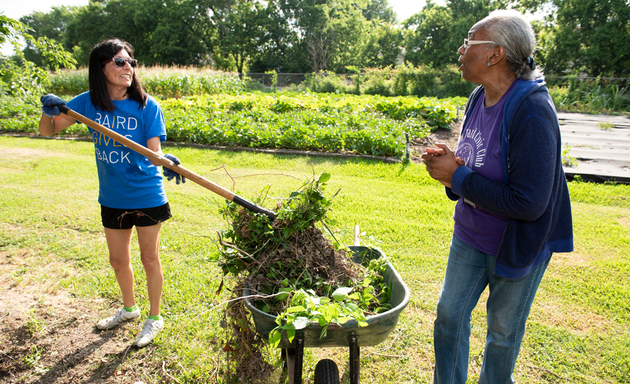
(367, 296)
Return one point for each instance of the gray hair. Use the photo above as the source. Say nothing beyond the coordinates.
(511, 30)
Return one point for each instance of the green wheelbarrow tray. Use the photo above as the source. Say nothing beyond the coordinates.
(378, 328)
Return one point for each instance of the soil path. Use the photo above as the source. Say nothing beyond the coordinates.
(49, 337)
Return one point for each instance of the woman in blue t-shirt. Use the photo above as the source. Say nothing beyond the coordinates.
(513, 208)
(131, 189)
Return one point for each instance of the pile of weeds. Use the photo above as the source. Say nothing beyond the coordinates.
(296, 273)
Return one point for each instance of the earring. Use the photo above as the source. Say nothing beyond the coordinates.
(489, 64)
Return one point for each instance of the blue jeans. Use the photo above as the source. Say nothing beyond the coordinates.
(468, 272)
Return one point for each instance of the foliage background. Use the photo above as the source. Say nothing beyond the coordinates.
(577, 37)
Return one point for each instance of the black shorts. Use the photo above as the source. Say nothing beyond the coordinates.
(115, 218)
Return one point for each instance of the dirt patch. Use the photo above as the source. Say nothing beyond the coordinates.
(449, 136)
(624, 221)
(27, 153)
(51, 338)
(572, 318)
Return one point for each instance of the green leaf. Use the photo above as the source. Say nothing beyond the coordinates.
(290, 335)
(301, 322)
(329, 312)
(274, 338)
(284, 296)
(324, 177)
(297, 308)
(343, 320)
(340, 294)
(324, 332)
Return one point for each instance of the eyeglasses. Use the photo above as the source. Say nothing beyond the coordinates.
(121, 62)
(475, 42)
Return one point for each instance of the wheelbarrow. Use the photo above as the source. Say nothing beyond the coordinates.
(349, 335)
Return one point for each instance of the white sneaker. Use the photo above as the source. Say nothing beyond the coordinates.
(149, 331)
(119, 317)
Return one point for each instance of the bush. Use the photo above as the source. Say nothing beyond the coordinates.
(590, 95)
(405, 80)
(326, 82)
(377, 82)
(69, 82)
(425, 81)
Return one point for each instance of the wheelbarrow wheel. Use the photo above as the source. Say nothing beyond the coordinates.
(326, 372)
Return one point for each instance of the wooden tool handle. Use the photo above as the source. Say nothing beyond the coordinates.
(163, 161)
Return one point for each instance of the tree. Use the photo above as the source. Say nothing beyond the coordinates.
(20, 77)
(312, 19)
(434, 34)
(430, 40)
(181, 33)
(240, 31)
(87, 28)
(588, 36)
(383, 47)
(161, 32)
(282, 50)
(379, 10)
(351, 31)
(51, 25)
(332, 32)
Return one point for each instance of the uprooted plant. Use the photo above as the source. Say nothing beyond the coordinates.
(296, 273)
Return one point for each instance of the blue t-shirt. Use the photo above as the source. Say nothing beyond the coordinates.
(127, 179)
(480, 149)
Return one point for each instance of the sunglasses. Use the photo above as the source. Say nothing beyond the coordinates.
(475, 42)
(121, 62)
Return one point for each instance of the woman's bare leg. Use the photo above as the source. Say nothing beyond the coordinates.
(118, 242)
(149, 239)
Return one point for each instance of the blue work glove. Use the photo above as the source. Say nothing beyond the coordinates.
(50, 104)
(170, 174)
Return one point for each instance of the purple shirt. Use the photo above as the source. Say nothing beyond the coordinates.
(479, 147)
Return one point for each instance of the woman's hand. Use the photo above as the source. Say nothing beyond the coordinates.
(51, 104)
(169, 173)
(52, 120)
(441, 163)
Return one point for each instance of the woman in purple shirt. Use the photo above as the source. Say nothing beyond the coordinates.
(513, 209)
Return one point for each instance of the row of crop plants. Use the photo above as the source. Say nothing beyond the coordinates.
(367, 124)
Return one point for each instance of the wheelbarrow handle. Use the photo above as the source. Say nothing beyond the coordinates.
(190, 175)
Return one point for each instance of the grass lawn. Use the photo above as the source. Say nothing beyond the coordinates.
(52, 245)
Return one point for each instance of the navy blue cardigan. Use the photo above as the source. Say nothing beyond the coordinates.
(534, 193)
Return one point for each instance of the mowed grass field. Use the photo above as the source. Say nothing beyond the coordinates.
(52, 244)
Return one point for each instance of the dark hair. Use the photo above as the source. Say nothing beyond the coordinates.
(99, 94)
